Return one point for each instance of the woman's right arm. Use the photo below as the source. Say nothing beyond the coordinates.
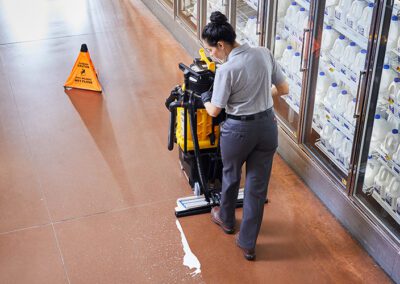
(280, 89)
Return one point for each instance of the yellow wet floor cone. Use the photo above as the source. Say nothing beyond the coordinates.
(83, 74)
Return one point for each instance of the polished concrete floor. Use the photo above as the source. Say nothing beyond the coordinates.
(87, 185)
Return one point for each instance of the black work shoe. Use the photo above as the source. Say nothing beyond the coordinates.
(215, 218)
(249, 254)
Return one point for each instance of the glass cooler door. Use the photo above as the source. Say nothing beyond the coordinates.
(340, 80)
(291, 32)
(248, 21)
(378, 177)
(217, 5)
(188, 11)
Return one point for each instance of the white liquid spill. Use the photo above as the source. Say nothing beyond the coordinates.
(189, 260)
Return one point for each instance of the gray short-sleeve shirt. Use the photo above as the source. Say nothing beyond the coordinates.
(243, 83)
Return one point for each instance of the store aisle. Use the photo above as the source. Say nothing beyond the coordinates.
(87, 185)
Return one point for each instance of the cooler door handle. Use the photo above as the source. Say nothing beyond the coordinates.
(258, 30)
(356, 110)
(302, 69)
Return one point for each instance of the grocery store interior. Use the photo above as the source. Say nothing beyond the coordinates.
(88, 186)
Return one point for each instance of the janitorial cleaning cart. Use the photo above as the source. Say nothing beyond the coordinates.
(197, 137)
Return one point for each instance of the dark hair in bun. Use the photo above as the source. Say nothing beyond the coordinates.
(218, 29)
(218, 18)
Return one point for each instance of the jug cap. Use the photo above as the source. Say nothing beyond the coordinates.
(396, 79)
(328, 27)
(334, 84)
(294, 3)
(344, 92)
(278, 37)
(342, 37)
(354, 100)
(386, 66)
(395, 18)
(395, 131)
(352, 43)
(322, 73)
(363, 51)
(289, 47)
(297, 54)
(371, 5)
(377, 116)
(369, 157)
(302, 9)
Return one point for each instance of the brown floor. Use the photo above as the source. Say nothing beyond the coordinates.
(88, 187)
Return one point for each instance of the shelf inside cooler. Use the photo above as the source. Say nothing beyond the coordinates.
(331, 157)
(250, 4)
(346, 75)
(387, 162)
(291, 104)
(339, 122)
(292, 33)
(386, 206)
(350, 33)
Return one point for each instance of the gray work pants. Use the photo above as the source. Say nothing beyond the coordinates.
(253, 142)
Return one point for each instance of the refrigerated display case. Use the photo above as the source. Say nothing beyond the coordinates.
(188, 11)
(291, 28)
(378, 185)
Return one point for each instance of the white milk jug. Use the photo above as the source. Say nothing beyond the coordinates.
(335, 142)
(380, 129)
(393, 121)
(350, 53)
(291, 13)
(396, 156)
(387, 78)
(326, 134)
(398, 206)
(391, 142)
(397, 102)
(280, 45)
(332, 95)
(283, 5)
(371, 171)
(330, 8)
(359, 62)
(323, 82)
(295, 64)
(364, 23)
(393, 33)
(287, 56)
(345, 152)
(349, 113)
(301, 15)
(355, 12)
(392, 192)
(342, 9)
(251, 26)
(342, 102)
(329, 36)
(338, 47)
(382, 180)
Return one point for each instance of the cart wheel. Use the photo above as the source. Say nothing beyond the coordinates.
(196, 189)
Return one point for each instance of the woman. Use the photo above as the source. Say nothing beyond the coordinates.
(244, 87)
